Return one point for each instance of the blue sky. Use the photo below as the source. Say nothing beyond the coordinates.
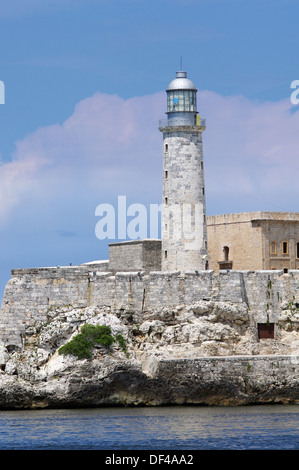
(85, 87)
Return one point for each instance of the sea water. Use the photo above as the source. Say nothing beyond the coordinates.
(169, 428)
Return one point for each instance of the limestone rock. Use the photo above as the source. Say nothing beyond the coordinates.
(174, 355)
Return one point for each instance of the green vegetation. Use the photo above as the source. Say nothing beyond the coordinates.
(122, 343)
(81, 345)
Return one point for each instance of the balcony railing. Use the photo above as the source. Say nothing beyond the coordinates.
(199, 122)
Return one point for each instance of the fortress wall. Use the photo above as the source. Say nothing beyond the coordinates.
(31, 293)
(239, 379)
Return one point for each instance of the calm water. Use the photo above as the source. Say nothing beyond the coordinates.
(173, 428)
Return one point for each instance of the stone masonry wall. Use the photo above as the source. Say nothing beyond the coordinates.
(184, 232)
(31, 293)
(204, 380)
(137, 255)
(250, 236)
(237, 232)
(279, 231)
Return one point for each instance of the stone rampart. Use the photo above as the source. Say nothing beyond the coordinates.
(232, 379)
(190, 338)
(31, 293)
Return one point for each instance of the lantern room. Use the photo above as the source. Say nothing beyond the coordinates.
(181, 100)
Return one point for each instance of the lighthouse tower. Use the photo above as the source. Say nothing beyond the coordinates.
(184, 231)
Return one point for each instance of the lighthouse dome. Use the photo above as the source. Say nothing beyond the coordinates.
(181, 82)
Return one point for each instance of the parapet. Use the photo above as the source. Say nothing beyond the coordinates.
(242, 217)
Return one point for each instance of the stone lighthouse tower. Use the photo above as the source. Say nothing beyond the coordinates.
(184, 231)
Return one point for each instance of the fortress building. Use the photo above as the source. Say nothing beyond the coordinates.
(254, 240)
(194, 330)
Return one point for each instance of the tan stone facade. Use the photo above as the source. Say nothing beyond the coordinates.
(254, 240)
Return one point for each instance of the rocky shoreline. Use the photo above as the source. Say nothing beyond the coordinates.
(204, 354)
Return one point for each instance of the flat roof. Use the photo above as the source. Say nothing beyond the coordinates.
(251, 216)
(135, 242)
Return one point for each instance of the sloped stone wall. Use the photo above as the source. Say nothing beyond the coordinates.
(270, 296)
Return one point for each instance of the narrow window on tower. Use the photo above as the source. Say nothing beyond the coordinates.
(201, 165)
(166, 147)
(166, 201)
(165, 254)
(297, 250)
(203, 191)
(285, 248)
(166, 174)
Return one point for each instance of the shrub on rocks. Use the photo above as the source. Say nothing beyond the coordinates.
(91, 335)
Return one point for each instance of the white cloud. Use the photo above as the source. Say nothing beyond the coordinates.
(16, 178)
(251, 149)
(107, 146)
(110, 146)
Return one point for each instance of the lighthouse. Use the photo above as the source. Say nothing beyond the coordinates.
(183, 223)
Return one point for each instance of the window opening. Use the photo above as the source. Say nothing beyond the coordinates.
(265, 330)
(273, 248)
